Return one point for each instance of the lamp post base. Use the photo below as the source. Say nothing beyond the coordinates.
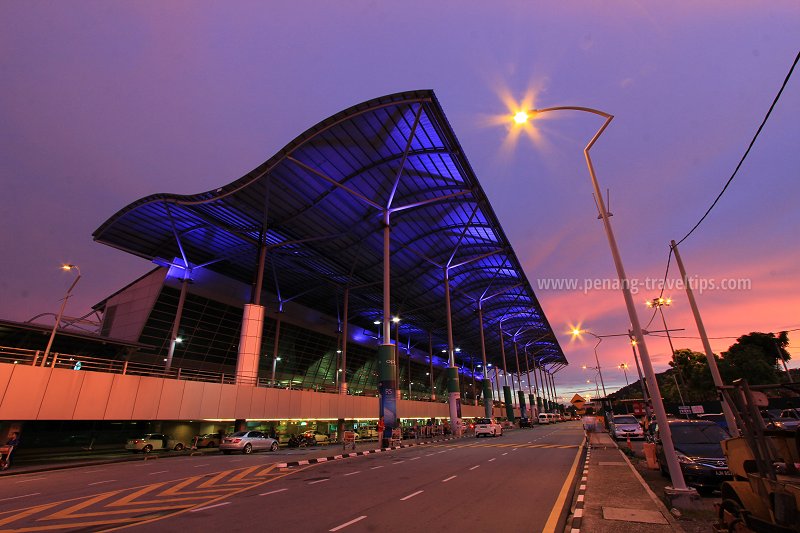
(683, 499)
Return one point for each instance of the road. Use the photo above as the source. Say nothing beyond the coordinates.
(510, 483)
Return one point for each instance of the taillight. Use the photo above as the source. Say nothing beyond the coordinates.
(235, 441)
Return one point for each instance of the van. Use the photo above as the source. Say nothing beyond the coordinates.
(544, 418)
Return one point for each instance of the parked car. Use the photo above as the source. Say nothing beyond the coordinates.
(524, 422)
(697, 444)
(368, 432)
(625, 426)
(717, 418)
(488, 426)
(544, 418)
(209, 440)
(318, 436)
(247, 442)
(154, 441)
(790, 418)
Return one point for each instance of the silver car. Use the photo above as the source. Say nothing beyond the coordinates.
(247, 442)
(624, 426)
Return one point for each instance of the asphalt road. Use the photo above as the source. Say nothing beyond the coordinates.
(510, 483)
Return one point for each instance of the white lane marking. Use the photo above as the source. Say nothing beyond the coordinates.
(159, 472)
(317, 481)
(474, 467)
(414, 459)
(17, 497)
(376, 467)
(101, 482)
(411, 495)
(32, 479)
(504, 453)
(210, 507)
(514, 449)
(430, 455)
(448, 479)
(492, 459)
(272, 492)
(398, 462)
(351, 522)
(353, 473)
(92, 471)
(198, 466)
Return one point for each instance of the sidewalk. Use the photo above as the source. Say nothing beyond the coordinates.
(612, 496)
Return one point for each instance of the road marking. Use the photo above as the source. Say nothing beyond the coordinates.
(492, 459)
(352, 473)
(101, 482)
(448, 479)
(552, 520)
(474, 467)
(414, 459)
(398, 462)
(514, 450)
(92, 471)
(504, 453)
(17, 497)
(411, 495)
(318, 481)
(159, 472)
(272, 492)
(376, 467)
(32, 479)
(209, 507)
(430, 455)
(580, 497)
(198, 466)
(351, 522)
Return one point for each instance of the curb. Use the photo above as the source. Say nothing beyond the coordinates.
(356, 454)
(577, 514)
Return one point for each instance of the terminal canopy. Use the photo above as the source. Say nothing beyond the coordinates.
(318, 207)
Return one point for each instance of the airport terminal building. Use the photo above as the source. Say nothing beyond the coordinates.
(358, 274)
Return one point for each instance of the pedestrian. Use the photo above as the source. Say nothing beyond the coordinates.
(381, 429)
(12, 444)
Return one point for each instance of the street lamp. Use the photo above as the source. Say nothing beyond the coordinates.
(624, 367)
(274, 364)
(661, 416)
(67, 268)
(659, 304)
(576, 333)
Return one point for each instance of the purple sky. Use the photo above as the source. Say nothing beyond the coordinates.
(105, 102)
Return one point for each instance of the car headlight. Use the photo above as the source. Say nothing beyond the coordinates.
(684, 459)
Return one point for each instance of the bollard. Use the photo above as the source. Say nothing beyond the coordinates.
(650, 455)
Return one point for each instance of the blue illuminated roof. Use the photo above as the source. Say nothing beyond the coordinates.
(322, 199)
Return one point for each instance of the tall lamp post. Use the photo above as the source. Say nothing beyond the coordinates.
(624, 367)
(679, 485)
(577, 332)
(67, 268)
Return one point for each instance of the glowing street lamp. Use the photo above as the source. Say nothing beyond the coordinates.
(577, 333)
(624, 367)
(661, 416)
(67, 268)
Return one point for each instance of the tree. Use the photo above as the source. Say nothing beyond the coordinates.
(693, 366)
(755, 357)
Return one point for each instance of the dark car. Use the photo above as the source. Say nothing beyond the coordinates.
(524, 422)
(699, 449)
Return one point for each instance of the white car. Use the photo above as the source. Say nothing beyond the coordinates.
(247, 442)
(624, 426)
(154, 441)
(488, 426)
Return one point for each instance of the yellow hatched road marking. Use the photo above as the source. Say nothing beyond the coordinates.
(27, 512)
(65, 513)
(126, 500)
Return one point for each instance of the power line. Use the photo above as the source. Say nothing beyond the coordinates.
(775, 101)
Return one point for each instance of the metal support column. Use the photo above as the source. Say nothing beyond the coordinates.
(521, 393)
(509, 398)
(387, 369)
(488, 396)
(454, 395)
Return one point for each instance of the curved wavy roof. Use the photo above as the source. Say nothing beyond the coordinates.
(319, 205)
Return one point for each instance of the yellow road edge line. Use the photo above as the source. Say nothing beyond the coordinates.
(552, 520)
